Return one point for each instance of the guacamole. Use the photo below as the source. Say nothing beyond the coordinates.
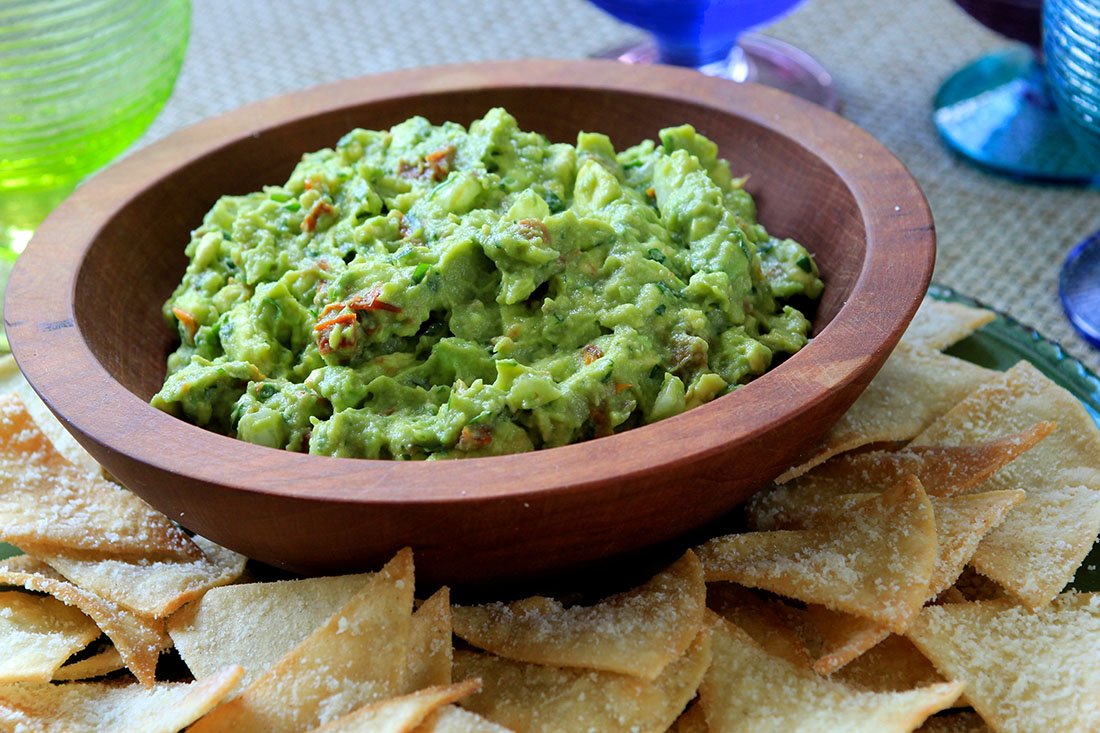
(432, 292)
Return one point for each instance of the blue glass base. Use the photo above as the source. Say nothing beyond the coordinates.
(997, 113)
(1079, 288)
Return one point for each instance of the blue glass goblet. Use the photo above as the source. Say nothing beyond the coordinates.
(710, 35)
(998, 111)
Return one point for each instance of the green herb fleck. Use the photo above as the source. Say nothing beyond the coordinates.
(280, 197)
(419, 273)
(292, 206)
(804, 264)
(660, 310)
(656, 255)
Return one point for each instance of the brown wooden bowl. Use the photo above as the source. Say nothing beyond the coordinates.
(83, 316)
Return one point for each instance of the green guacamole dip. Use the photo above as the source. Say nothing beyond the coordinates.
(433, 292)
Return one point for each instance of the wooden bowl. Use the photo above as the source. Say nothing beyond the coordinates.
(83, 316)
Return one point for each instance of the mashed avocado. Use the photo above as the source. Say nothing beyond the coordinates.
(432, 292)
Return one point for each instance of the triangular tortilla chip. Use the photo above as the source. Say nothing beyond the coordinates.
(961, 523)
(12, 380)
(875, 563)
(430, 647)
(771, 623)
(748, 689)
(50, 504)
(843, 637)
(913, 388)
(692, 720)
(138, 639)
(149, 588)
(939, 324)
(357, 657)
(453, 719)
(892, 665)
(37, 635)
(942, 470)
(1024, 670)
(637, 632)
(533, 698)
(1037, 549)
(101, 663)
(256, 624)
(399, 714)
(166, 707)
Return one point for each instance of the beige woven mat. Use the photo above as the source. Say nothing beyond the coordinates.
(1001, 242)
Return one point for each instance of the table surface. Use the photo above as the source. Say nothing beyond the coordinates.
(1000, 241)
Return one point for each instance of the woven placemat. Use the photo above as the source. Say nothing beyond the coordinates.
(999, 241)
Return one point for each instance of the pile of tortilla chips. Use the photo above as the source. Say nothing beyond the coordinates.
(908, 575)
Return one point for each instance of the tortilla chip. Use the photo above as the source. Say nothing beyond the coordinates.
(938, 324)
(101, 663)
(357, 657)
(691, 720)
(771, 623)
(149, 588)
(913, 388)
(892, 665)
(430, 647)
(533, 698)
(453, 719)
(843, 637)
(1024, 670)
(748, 689)
(637, 632)
(166, 707)
(12, 380)
(49, 504)
(139, 640)
(399, 714)
(37, 635)
(1041, 543)
(965, 722)
(942, 470)
(256, 624)
(876, 562)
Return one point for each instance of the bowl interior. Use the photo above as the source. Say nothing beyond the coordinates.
(136, 259)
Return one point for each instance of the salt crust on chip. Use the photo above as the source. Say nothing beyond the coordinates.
(430, 643)
(103, 662)
(153, 588)
(399, 714)
(938, 324)
(256, 624)
(453, 719)
(50, 504)
(1024, 670)
(1037, 549)
(875, 563)
(166, 707)
(139, 640)
(942, 470)
(913, 388)
(747, 689)
(37, 635)
(535, 698)
(637, 632)
(356, 657)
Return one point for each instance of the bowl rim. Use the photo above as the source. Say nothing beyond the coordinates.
(37, 311)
